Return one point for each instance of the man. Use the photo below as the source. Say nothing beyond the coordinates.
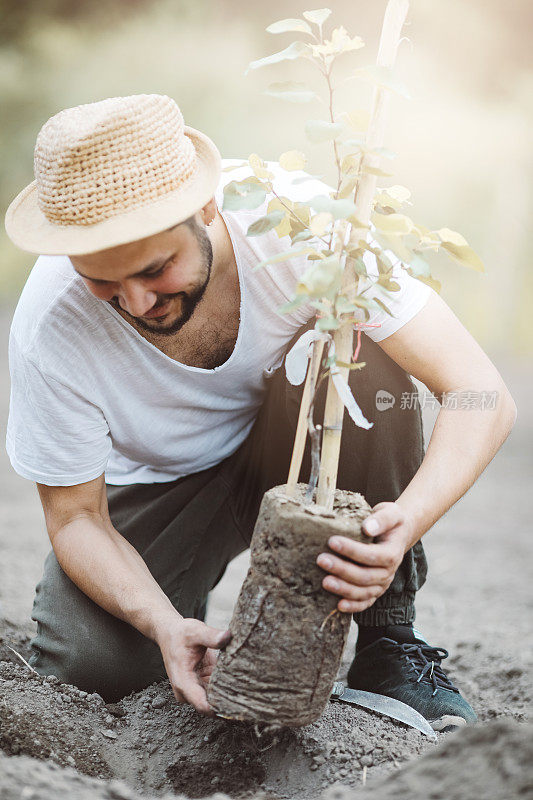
(149, 406)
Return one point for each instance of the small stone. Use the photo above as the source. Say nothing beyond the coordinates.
(52, 679)
(109, 734)
(159, 702)
(366, 761)
(70, 761)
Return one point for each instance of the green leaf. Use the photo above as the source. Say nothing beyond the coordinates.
(243, 194)
(464, 255)
(234, 166)
(397, 224)
(303, 236)
(318, 130)
(265, 224)
(452, 237)
(289, 26)
(292, 160)
(317, 17)
(295, 252)
(293, 51)
(292, 305)
(389, 284)
(330, 323)
(344, 306)
(348, 187)
(419, 266)
(339, 209)
(383, 77)
(322, 277)
(383, 306)
(291, 91)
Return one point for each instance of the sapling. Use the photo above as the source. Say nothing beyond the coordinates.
(288, 635)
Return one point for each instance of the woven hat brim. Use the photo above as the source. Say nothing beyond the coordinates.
(29, 229)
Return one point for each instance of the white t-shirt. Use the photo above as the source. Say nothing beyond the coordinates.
(90, 395)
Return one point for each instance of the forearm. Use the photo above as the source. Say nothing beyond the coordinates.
(112, 573)
(463, 442)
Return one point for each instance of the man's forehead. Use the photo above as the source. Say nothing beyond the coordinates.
(133, 258)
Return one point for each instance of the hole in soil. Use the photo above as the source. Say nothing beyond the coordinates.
(232, 774)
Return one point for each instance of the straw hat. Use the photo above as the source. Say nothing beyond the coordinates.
(112, 172)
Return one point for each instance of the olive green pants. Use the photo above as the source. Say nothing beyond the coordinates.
(188, 530)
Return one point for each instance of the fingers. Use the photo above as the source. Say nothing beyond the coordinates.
(354, 606)
(353, 573)
(350, 592)
(206, 636)
(194, 692)
(384, 516)
(371, 555)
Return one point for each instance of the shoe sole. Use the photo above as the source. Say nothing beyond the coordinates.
(447, 723)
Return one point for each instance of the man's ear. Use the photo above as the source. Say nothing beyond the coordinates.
(208, 212)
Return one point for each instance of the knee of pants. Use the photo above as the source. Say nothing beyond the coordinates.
(83, 645)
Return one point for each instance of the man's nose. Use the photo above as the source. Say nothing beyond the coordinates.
(136, 299)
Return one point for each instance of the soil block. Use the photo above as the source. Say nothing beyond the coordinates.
(287, 635)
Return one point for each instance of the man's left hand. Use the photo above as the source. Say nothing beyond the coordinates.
(363, 572)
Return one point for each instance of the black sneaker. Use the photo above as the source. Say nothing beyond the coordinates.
(412, 672)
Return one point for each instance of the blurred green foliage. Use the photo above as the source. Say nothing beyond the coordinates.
(463, 139)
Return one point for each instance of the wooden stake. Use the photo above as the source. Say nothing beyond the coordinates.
(394, 19)
(301, 430)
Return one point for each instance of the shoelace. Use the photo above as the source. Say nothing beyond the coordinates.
(425, 661)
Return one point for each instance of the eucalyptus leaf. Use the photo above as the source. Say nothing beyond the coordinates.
(389, 284)
(339, 209)
(382, 305)
(329, 323)
(293, 51)
(317, 17)
(381, 173)
(296, 252)
(322, 277)
(292, 305)
(289, 26)
(320, 223)
(465, 256)
(318, 130)
(234, 166)
(397, 224)
(344, 306)
(452, 237)
(265, 224)
(292, 160)
(243, 194)
(291, 95)
(419, 266)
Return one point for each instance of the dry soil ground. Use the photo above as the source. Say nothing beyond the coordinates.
(477, 603)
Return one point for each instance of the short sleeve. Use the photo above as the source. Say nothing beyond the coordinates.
(404, 304)
(54, 435)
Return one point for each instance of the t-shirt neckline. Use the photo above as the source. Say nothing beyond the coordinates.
(242, 312)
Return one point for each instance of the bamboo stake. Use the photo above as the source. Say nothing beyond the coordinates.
(301, 430)
(394, 19)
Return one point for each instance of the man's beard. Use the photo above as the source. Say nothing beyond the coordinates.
(189, 301)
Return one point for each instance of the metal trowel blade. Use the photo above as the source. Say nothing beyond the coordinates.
(383, 705)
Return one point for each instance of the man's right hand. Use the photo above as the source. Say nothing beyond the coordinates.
(189, 653)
